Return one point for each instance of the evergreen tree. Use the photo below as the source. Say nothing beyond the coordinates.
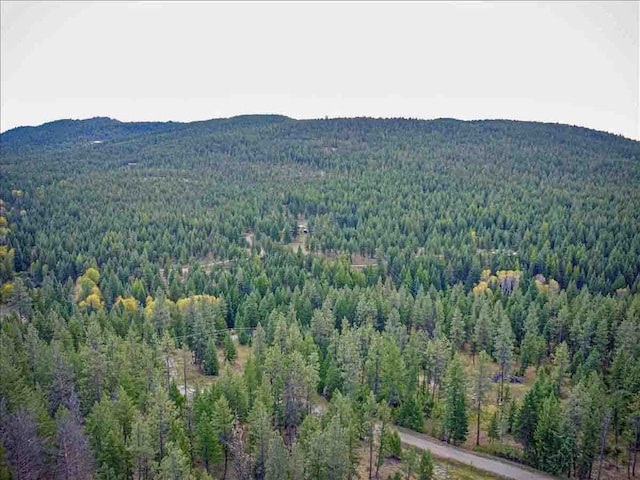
(211, 365)
(175, 465)
(384, 417)
(260, 433)
(481, 385)
(457, 329)
(482, 329)
(561, 363)
(229, 348)
(425, 471)
(277, 464)
(494, 430)
(503, 351)
(107, 440)
(141, 449)
(20, 300)
(392, 373)
(336, 439)
(160, 314)
(410, 462)
(588, 401)
(222, 419)
(532, 349)
(207, 441)
(528, 416)
(553, 444)
(455, 407)
(369, 421)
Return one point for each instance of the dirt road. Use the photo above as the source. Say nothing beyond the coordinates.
(499, 467)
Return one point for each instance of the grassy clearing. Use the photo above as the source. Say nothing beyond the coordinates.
(243, 354)
(196, 380)
(517, 390)
(457, 471)
(297, 244)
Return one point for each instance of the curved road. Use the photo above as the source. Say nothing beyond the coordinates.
(503, 468)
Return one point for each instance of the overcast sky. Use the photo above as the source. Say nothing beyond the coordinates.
(575, 63)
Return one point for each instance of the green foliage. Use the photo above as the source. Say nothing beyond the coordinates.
(494, 430)
(425, 471)
(392, 446)
(167, 235)
(175, 465)
(480, 387)
(553, 441)
(410, 462)
(229, 348)
(410, 414)
(527, 419)
(277, 465)
(211, 365)
(455, 413)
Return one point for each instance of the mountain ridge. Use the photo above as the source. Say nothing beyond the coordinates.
(83, 129)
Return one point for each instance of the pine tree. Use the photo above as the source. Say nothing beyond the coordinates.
(528, 416)
(260, 431)
(168, 348)
(482, 330)
(20, 300)
(425, 471)
(494, 431)
(561, 363)
(503, 351)
(336, 438)
(392, 373)
(160, 314)
(141, 449)
(162, 413)
(481, 385)
(410, 462)
(211, 365)
(455, 407)
(553, 443)
(384, 417)
(457, 329)
(206, 441)
(277, 464)
(410, 414)
(296, 462)
(222, 418)
(175, 465)
(229, 348)
(107, 439)
(369, 417)
(589, 398)
(532, 348)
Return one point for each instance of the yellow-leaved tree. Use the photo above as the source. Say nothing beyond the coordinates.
(88, 293)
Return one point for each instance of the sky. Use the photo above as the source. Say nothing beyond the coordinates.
(575, 63)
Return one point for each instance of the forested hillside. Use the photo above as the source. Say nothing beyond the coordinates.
(262, 297)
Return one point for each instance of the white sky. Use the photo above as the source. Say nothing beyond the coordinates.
(575, 63)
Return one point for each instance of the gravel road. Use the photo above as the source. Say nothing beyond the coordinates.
(499, 467)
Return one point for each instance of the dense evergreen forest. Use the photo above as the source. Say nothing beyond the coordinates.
(262, 297)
